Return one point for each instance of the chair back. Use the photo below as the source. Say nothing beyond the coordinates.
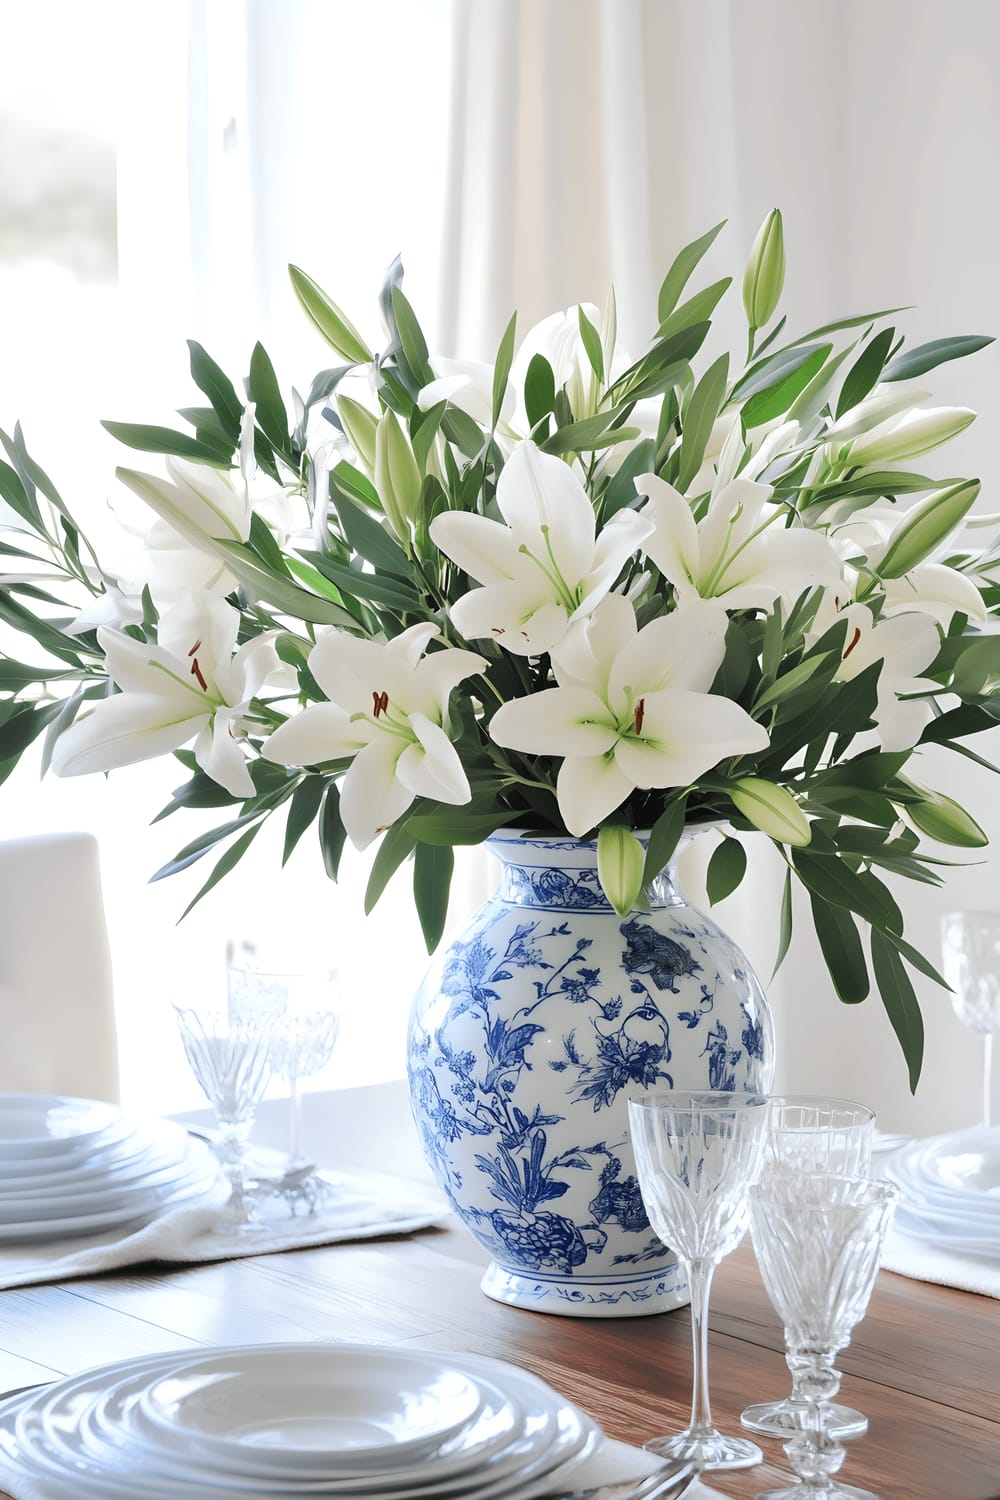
(57, 1022)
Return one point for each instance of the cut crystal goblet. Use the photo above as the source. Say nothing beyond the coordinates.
(230, 1055)
(812, 1134)
(696, 1155)
(818, 1241)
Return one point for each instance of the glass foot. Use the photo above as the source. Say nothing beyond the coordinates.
(710, 1449)
(784, 1418)
(806, 1490)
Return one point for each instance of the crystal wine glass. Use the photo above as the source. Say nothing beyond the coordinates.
(696, 1155)
(305, 1008)
(818, 1241)
(230, 1055)
(813, 1135)
(970, 942)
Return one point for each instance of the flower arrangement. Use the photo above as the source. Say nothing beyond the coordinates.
(563, 591)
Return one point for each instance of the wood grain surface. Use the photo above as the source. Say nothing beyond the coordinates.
(924, 1366)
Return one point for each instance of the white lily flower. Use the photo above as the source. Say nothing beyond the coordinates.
(632, 709)
(543, 569)
(740, 554)
(388, 712)
(557, 338)
(114, 608)
(190, 685)
(935, 590)
(906, 645)
(467, 384)
(930, 588)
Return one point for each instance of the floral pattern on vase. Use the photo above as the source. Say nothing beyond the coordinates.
(526, 1038)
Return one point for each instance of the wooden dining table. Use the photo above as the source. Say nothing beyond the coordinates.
(924, 1366)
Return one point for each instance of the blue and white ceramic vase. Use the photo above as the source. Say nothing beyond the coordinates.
(528, 1035)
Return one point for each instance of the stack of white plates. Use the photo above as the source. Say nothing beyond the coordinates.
(79, 1166)
(950, 1192)
(266, 1420)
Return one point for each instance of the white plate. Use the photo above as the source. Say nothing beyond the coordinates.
(42, 1435)
(202, 1178)
(957, 1173)
(951, 1239)
(151, 1147)
(501, 1437)
(142, 1193)
(321, 1405)
(52, 1125)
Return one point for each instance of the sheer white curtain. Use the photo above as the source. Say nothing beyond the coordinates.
(592, 138)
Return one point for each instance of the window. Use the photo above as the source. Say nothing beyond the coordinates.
(155, 194)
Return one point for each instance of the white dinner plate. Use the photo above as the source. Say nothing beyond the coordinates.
(957, 1173)
(321, 1405)
(954, 1241)
(198, 1183)
(150, 1147)
(42, 1435)
(516, 1424)
(139, 1195)
(43, 1126)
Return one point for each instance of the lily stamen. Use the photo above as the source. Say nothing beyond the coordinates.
(855, 638)
(640, 714)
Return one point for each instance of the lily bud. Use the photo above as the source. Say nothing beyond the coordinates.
(911, 434)
(942, 818)
(397, 477)
(772, 809)
(335, 326)
(765, 273)
(620, 861)
(884, 402)
(926, 527)
(360, 426)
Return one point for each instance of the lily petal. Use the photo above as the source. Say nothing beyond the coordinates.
(482, 548)
(684, 649)
(142, 667)
(120, 731)
(588, 788)
(684, 735)
(673, 543)
(221, 757)
(371, 795)
(935, 590)
(537, 490)
(431, 767)
(557, 721)
(319, 733)
(519, 615)
(587, 652)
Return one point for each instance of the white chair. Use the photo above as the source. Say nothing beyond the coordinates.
(57, 1024)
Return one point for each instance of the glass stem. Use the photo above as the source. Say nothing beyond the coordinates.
(988, 1078)
(295, 1155)
(700, 1273)
(232, 1155)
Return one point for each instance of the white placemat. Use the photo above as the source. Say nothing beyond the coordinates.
(364, 1205)
(907, 1257)
(612, 1463)
(967, 1272)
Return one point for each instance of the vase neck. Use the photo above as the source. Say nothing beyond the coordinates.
(561, 875)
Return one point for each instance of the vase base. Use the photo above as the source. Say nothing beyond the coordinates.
(636, 1295)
